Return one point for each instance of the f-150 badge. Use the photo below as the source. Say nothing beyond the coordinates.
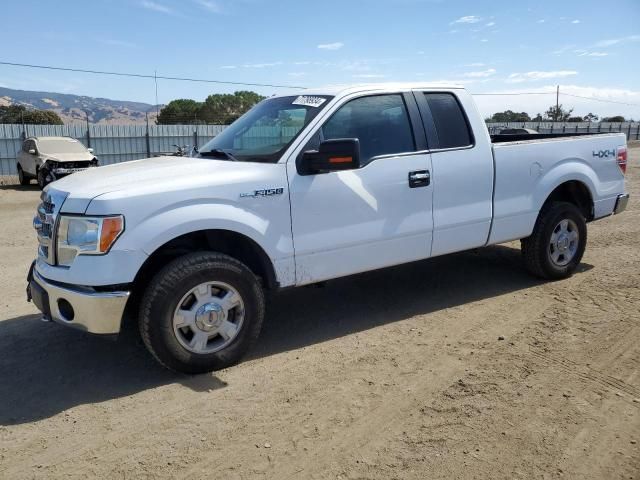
(267, 192)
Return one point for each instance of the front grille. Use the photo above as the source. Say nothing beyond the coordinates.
(45, 222)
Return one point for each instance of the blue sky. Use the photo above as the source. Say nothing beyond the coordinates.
(588, 47)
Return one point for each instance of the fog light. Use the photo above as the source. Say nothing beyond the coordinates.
(66, 310)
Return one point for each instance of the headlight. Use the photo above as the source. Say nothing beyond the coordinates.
(86, 236)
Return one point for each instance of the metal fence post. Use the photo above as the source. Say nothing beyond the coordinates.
(638, 132)
(88, 134)
(146, 136)
(629, 132)
(25, 134)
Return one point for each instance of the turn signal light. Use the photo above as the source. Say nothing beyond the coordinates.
(111, 228)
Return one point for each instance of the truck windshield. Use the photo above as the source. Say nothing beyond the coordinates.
(264, 132)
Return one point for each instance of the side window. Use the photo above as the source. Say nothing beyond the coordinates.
(450, 121)
(380, 122)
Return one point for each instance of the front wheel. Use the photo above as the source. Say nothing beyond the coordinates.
(201, 312)
(43, 178)
(555, 248)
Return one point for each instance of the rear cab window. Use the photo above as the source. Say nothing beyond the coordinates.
(450, 125)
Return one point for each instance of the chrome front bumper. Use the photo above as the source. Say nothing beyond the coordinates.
(79, 307)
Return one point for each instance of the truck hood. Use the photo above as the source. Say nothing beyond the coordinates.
(166, 176)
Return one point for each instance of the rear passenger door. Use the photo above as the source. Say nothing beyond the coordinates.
(379, 215)
(462, 174)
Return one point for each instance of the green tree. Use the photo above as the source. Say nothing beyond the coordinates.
(509, 116)
(20, 114)
(616, 118)
(537, 118)
(181, 111)
(558, 114)
(218, 109)
(575, 119)
(591, 117)
(225, 108)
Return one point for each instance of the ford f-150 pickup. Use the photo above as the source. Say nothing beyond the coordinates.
(299, 190)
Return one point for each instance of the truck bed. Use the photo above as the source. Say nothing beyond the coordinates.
(528, 168)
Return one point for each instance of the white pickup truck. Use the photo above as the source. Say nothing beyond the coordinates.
(299, 190)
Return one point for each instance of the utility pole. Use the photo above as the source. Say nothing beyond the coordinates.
(155, 78)
(557, 103)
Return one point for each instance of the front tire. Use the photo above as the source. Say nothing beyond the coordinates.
(555, 248)
(42, 178)
(201, 312)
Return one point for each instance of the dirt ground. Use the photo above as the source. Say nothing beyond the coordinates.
(458, 367)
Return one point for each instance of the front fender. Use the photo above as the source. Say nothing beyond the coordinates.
(155, 231)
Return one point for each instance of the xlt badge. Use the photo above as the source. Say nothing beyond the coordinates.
(267, 192)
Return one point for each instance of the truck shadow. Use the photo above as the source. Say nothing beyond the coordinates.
(46, 369)
(305, 316)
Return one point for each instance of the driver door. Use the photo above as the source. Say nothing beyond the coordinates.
(350, 221)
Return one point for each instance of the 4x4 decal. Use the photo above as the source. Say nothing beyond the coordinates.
(604, 153)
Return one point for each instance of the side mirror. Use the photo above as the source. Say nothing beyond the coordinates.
(32, 151)
(90, 150)
(331, 156)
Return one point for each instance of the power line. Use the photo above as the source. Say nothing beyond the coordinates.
(517, 93)
(601, 100)
(141, 75)
(252, 84)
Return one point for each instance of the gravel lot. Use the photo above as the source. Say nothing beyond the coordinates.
(399, 373)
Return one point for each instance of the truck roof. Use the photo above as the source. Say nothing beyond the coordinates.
(341, 90)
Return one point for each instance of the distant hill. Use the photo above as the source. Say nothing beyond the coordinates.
(72, 108)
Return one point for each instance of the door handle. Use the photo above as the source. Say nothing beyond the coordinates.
(419, 178)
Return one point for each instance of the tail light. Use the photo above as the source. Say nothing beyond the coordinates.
(622, 159)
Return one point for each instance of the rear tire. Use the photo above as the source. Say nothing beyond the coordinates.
(22, 177)
(201, 312)
(555, 248)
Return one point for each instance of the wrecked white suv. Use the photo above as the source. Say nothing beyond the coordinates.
(49, 158)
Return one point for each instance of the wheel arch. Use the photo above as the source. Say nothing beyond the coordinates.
(575, 192)
(229, 242)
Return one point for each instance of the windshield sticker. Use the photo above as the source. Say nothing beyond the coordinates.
(309, 101)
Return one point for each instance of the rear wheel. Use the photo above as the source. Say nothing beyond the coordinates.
(202, 312)
(22, 177)
(558, 241)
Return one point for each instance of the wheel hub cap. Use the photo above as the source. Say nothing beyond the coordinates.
(564, 241)
(209, 317)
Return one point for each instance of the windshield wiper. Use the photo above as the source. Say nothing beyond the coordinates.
(219, 152)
